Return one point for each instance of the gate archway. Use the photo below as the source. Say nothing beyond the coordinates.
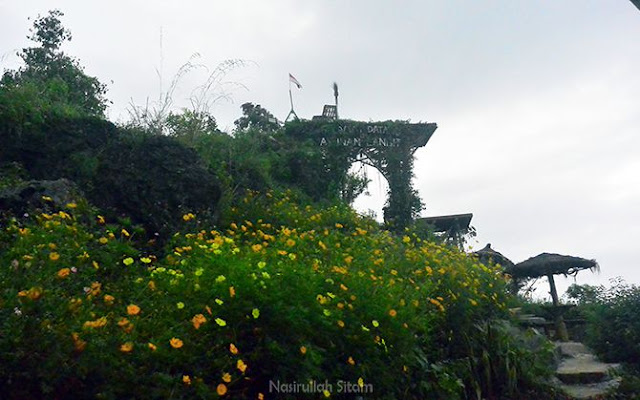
(388, 146)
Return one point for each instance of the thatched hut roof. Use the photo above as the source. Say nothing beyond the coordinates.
(547, 263)
(488, 255)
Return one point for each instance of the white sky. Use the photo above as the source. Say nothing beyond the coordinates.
(537, 102)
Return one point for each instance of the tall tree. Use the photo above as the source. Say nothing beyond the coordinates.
(58, 77)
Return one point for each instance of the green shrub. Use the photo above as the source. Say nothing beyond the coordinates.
(613, 329)
(329, 297)
(154, 180)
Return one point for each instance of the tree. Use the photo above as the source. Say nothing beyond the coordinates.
(254, 116)
(58, 78)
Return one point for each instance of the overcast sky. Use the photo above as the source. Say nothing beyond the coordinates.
(537, 102)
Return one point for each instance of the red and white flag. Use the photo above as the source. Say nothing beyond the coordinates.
(295, 81)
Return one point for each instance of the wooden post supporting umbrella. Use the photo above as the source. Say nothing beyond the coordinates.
(547, 264)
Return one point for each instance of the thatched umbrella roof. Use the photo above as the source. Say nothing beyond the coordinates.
(488, 255)
(550, 264)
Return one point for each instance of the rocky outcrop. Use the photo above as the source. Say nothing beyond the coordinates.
(26, 197)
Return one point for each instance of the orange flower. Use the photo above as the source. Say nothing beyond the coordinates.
(198, 320)
(351, 361)
(221, 389)
(127, 347)
(108, 299)
(232, 291)
(133, 309)
(186, 379)
(393, 313)
(63, 273)
(176, 343)
(260, 396)
(78, 344)
(233, 349)
(303, 350)
(54, 256)
(152, 346)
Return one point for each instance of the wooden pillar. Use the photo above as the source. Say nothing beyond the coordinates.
(561, 328)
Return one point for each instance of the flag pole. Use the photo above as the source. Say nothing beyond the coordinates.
(291, 101)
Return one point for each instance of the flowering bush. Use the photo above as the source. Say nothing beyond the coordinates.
(285, 294)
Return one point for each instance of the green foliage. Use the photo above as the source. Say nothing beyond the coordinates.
(147, 178)
(357, 303)
(50, 81)
(613, 329)
(256, 117)
(153, 180)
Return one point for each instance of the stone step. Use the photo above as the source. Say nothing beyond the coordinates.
(589, 391)
(584, 368)
(581, 375)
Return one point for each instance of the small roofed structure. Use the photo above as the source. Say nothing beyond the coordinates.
(487, 255)
(548, 264)
(451, 227)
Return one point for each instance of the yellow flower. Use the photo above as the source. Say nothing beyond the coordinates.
(303, 350)
(326, 393)
(152, 346)
(198, 320)
(375, 323)
(47, 198)
(133, 309)
(54, 256)
(351, 361)
(188, 217)
(176, 343)
(343, 287)
(233, 349)
(256, 247)
(127, 347)
(226, 377)
(255, 313)
(341, 323)
(360, 382)
(100, 219)
(98, 323)
(406, 239)
(125, 233)
(180, 305)
(241, 366)
(152, 285)
(473, 302)
(127, 261)
(260, 396)
(221, 322)
(145, 260)
(291, 242)
(186, 379)
(221, 389)
(63, 273)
